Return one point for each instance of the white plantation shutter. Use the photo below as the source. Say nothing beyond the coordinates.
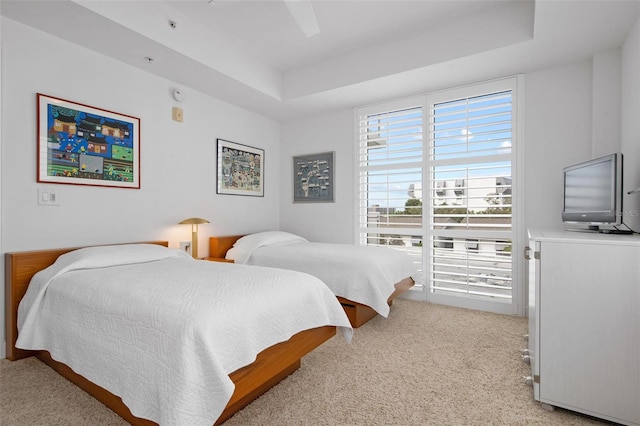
(390, 170)
(436, 178)
(470, 233)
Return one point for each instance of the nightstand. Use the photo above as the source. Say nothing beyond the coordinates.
(218, 259)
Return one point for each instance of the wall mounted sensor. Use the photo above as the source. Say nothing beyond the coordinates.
(178, 95)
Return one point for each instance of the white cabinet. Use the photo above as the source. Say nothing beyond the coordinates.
(584, 322)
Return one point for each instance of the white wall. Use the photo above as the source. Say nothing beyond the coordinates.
(323, 222)
(558, 132)
(178, 160)
(607, 88)
(630, 125)
(3, 349)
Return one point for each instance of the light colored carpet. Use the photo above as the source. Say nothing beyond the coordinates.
(424, 365)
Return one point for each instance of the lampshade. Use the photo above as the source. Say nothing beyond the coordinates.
(194, 222)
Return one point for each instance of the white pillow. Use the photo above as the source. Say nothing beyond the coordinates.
(245, 246)
(118, 254)
(92, 258)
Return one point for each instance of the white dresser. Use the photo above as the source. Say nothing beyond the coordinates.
(584, 322)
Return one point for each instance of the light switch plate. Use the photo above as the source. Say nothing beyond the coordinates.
(48, 197)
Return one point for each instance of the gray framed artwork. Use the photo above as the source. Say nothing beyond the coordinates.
(313, 178)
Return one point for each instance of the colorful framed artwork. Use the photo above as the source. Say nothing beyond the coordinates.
(313, 178)
(240, 169)
(84, 145)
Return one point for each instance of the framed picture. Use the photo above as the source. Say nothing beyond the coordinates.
(84, 145)
(313, 178)
(240, 169)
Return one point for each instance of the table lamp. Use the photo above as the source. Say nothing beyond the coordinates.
(194, 222)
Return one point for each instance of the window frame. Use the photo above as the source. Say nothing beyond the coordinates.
(515, 84)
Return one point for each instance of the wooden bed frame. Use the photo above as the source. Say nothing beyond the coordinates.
(357, 313)
(270, 367)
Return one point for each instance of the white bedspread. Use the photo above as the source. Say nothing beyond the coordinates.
(162, 330)
(362, 274)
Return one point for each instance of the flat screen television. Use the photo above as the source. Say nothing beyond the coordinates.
(593, 194)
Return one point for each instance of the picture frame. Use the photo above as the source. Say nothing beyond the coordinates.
(313, 178)
(84, 145)
(240, 169)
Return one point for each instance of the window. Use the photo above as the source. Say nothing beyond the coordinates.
(471, 143)
(436, 178)
(390, 172)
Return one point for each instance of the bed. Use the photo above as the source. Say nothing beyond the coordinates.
(365, 279)
(205, 367)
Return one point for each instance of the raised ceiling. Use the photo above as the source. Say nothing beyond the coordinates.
(254, 54)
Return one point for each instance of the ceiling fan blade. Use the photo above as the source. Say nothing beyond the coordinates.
(302, 12)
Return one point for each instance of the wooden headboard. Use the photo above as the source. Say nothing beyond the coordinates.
(19, 268)
(218, 246)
